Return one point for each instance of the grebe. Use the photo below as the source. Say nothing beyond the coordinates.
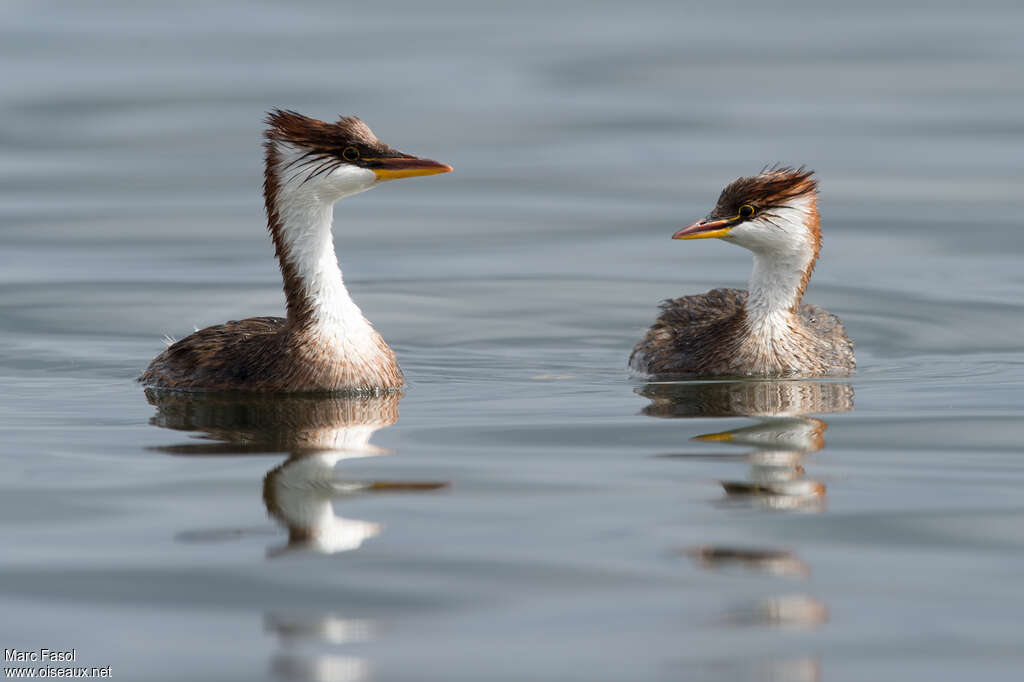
(766, 331)
(325, 343)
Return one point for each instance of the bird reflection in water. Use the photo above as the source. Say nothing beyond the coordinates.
(316, 433)
(778, 441)
(780, 438)
(795, 669)
(781, 562)
(299, 631)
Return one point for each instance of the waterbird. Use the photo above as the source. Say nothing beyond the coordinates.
(767, 330)
(325, 343)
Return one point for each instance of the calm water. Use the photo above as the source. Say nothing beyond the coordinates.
(533, 513)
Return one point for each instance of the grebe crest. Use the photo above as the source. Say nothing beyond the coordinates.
(325, 343)
(766, 330)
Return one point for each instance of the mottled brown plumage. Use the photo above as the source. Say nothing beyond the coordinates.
(324, 343)
(731, 332)
(269, 354)
(709, 335)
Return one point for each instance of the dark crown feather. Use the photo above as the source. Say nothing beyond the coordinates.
(774, 186)
(320, 137)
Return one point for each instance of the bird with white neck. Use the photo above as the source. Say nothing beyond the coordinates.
(766, 330)
(325, 343)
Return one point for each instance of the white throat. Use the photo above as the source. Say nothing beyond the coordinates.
(306, 213)
(784, 251)
(775, 287)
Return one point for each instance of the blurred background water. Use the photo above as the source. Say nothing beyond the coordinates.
(533, 513)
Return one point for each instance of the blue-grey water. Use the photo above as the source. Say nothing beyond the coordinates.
(533, 513)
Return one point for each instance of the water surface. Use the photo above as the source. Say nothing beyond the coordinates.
(526, 510)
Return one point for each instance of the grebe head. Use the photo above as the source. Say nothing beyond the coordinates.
(311, 164)
(334, 160)
(773, 214)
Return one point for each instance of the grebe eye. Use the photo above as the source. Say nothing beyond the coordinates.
(350, 154)
(746, 210)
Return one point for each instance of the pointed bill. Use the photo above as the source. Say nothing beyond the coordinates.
(705, 229)
(406, 167)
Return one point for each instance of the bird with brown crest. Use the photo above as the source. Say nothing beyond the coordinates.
(767, 330)
(325, 343)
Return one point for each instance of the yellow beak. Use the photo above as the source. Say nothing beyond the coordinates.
(407, 167)
(705, 229)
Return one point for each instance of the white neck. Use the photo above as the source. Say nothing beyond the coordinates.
(305, 230)
(775, 287)
(305, 212)
(783, 256)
